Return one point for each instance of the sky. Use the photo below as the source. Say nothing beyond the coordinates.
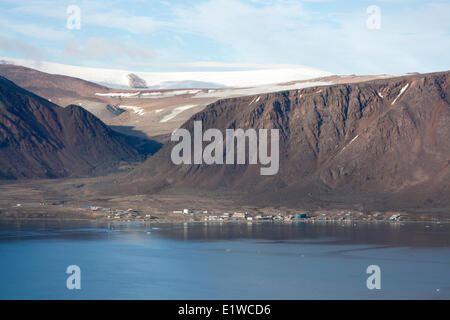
(342, 37)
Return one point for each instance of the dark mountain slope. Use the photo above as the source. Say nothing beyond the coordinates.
(382, 143)
(39, 139)
(60, 89)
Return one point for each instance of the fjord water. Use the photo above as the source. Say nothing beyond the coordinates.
(224, 261)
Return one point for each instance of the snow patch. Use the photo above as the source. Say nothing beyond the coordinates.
(401, 92)
(349, 143)
(255, 99)
(218, 93)
(119, 94)
(353, 139)
(177, 111)
(136, 110)
(166, 94)
(226, 93)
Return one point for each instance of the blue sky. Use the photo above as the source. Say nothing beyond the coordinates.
(186, 35)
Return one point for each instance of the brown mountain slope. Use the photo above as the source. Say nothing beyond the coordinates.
(60, 89)
(382, 143)
(39, 139)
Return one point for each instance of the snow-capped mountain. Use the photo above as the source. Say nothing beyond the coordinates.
(172, 80)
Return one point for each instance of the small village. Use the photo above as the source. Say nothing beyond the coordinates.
(189, 215)
(129, 215)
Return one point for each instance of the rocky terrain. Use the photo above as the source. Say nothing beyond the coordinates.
(61, 90)
(136, 82)
(382, 144)
(137, 111)
(363, 143)
(39, 139)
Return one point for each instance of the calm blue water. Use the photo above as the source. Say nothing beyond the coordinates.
(228, 261)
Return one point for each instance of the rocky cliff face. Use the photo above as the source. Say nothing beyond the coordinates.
(384, 141)
(39, 139)
(136, 82)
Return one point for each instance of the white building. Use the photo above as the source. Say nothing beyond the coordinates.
(240, 215)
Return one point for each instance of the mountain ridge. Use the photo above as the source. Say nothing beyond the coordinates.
(39, 139)
(385, 141)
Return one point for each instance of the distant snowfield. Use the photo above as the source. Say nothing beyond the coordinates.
(258, 90)
(172, 93)
(216, 93)
(148, 95)
(176, 112)
(237, 79)
(119, 95)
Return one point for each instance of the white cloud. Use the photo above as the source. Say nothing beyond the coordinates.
(228, 65)
(119, 20)
(34, 30)
(95, 14)
(8, 45)
(103, 48)
(414, 36)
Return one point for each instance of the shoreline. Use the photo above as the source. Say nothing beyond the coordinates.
(345, 222)
(147, 214)
(69, 200)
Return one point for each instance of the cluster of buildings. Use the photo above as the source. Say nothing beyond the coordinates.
(229, 217)
(129, 215)
(190, 212)
(237, 216)
(132, 215)
(241, 216)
